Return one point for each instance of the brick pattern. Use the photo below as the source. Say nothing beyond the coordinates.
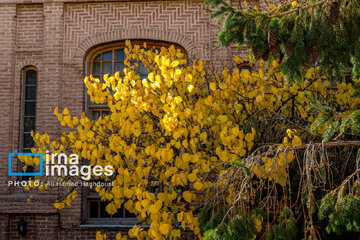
(29, 27)
(162, 20)
(7, 98)
(91, 42)
(50, 87)
(4, 226)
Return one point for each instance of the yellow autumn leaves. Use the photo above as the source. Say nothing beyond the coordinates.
(66, 201)
(275, 168)
(166, 131)
(273, 6)
(65, 118)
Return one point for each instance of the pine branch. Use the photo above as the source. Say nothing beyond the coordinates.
(299, 9)
(315, 104)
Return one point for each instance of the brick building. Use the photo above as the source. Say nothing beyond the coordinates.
(46, 48)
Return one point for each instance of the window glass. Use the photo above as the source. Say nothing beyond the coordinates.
(30, 93)
(107, 56)
(112, 60)
(142, 69)
(98, 58)
(119, 55)
(31, 77)
(94, 209)
(119, 66)
(28, 115)
(29, 124)
(29, 109)
(244, 66)
(107, 68)
(28, 141)
(96, 68)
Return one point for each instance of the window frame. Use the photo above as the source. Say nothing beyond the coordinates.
(93, 197)
(114, 46)
(23, 102)
(245, 65)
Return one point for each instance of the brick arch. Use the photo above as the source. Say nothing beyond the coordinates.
(28, 63)
(127, 34)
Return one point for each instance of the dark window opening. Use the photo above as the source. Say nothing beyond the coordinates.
(28, 115)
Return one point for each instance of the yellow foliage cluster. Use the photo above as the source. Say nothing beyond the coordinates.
(258, 219)
(66, 201)
(274, 168)
(166, 131)
(35, 184)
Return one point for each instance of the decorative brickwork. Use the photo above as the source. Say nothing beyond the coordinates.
(183, 22)
(147, 34)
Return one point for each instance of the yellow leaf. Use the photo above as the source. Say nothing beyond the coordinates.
(275, 63)
(66, 111)
(137, 132)
(100, 236)
(118, 236)
(245, 73)
(259, 98)
(203, 137)
(185, 143)
(258, 222)
(190, 88)
(290, 133)
(128, 193)
(164, 228)
(222, 118)
(296, 141)
(36, 161)
(176, 135)
(75, 121)
(187, 196)
(192, 177)
(198, 186)
(249, 137)
(78, 144)
(180, 216)
(213, 86)
(138, 206)
(175, 64)
(59, 205)
(153, 209)
(67, 119)
(56, 111)
(90, 134)
(235, 131)
(145, 203)
(271, 7)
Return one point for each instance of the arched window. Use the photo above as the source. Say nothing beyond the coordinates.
(109, 59)
(244, 66)
(28, 110)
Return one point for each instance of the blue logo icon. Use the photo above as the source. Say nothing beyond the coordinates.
(15, 153)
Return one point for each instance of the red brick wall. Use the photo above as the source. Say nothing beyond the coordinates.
(29, 27)
(8, 117)
(55, 37)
